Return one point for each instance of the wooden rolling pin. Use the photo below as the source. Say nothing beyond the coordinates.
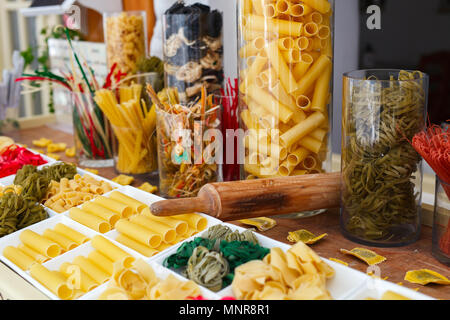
(237, 200)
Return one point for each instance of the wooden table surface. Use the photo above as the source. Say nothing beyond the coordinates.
(399, 260)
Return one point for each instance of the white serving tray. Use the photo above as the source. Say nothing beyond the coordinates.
(348, 283)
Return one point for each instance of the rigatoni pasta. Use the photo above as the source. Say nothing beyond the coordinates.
(285, 86)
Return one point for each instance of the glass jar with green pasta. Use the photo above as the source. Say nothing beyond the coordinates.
(381, 171)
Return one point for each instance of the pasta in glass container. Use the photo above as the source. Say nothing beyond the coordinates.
(285, 87)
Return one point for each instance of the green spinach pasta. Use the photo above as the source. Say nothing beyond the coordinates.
(379, 165)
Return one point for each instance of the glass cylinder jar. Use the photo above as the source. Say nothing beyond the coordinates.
(441, 222)
(189, 150)
(94, 139)
(126, 39)
(285, 87)
(193, 50)
(381, 171)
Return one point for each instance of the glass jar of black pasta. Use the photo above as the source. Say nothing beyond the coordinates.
(193, 50)
(381, 171)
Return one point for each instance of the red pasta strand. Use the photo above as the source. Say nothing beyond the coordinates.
(14, 157)
(433, 145)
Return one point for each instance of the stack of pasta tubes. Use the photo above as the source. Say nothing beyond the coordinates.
(134, 125)
(285, 76)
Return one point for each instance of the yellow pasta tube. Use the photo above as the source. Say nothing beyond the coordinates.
(257, 6)
(101, 212)
(246, 6)
(87, 266)
(321, 91)
(313, 74)
(139, 233)
(319, 134)
(124, 210)
(136, 246)
(324, 32)
(54, 281)
(180, 226)
(296, 10)
(285, 43)
(285, 27)
(18, 257)
(83, 281)
(286, 169)
(89, 220)
(302, 66)
(280, 93)
(40, 244)
(302, 129)
(303, 102)
(291, 56)
(269, 10)
(64, 242)
(252, 48)
(73, 235)
(296, 157)
(254, 70)
(195, 221)
(281, 7)
(270, 104)
(281, 68)
(309, 162)
(136, 205)
(323, 6)
(101, 261)
(249, 120)
(112, 252)
(301, 43)
(311, 144)
(168, 233)
(36, 256)
(310, 29)
(315, 17)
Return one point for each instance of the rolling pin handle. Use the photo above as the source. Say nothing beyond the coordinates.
(174, 207)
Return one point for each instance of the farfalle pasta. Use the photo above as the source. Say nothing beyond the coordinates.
(141, 283)
(297, 274)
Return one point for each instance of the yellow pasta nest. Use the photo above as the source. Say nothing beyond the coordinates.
(66, 194)
(298, 274)
(141, 283)
(42, 142)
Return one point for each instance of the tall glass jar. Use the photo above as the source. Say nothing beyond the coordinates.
(193, 50)
(94, 139)
(285, 87)
(381, 171)
(441, 222)
(189, 150)
(126, 39)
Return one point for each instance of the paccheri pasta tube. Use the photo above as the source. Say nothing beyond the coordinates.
(286, 68)
(193, 50)
(382, 111)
